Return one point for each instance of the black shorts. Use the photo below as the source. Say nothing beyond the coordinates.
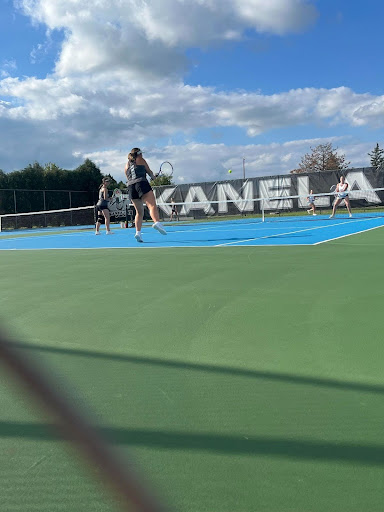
(102, 205)
(137, 190)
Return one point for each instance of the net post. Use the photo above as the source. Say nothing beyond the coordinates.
(262, 211)
(126, 217)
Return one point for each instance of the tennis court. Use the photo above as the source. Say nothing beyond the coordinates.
(288, 230)
(239, 379)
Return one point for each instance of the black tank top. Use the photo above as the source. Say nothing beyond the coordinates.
(135, 173)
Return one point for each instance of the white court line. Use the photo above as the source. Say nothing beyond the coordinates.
(223, 228)
(349, 234)
(258, 225)
(331, 224)
(142, 248)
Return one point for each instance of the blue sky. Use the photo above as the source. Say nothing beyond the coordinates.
(201, 84)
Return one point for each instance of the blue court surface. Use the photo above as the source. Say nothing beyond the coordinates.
(294, 230)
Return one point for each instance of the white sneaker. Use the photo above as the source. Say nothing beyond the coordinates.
(159, 227)
(97, 233)
(350, 214)
(138, 237)
(314, 214)
(109, 233)
(331, 216)
(309, 211)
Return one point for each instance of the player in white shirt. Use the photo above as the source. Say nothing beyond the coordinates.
(341, 195)
(311, 203)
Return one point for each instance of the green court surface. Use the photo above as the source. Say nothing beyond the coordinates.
(239, 379)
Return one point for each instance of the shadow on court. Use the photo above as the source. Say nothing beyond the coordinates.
(372, 455)
(224, 370)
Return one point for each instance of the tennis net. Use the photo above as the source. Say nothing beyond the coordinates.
(271, 208)
(262, 209)
(82, 216)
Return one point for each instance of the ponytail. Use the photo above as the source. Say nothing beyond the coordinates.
(134, 154)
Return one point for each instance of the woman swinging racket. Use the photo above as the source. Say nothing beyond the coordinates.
(341, 195)
(140, 191)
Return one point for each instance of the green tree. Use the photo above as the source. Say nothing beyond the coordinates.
(323, 157)
(55, 178)
(377, 157)
(6, 196)
(86, 177)
(33, 176)
(15, 179)
(3, 179)
(121, 185)
(163, 179)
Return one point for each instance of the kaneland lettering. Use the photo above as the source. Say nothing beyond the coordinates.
(360, 187)
(235, 196)
(164, 197)
(278, 186)
(243, 203)
(196, 193)
(303, 190)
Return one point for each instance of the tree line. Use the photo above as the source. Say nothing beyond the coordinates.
(86, 177)
(46, 187)
(325, 157)
(18, 189)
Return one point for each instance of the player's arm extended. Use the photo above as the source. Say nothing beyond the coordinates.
(149, 172)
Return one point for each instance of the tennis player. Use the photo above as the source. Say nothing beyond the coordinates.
(311, 203)
(341, 195)
(174, 211)
(140, 191)
(102, 208)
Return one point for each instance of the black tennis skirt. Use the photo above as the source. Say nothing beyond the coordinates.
(137, 190)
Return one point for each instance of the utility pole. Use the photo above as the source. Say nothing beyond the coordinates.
(243, 168)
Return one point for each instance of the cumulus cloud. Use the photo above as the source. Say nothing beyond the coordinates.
(118, 82)
(157, 110)
(148, 36)
(196, 162)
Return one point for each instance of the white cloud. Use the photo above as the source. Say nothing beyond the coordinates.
(114, 104)
(117, 82)
(196, 162)
(7, 68)
(148, 36)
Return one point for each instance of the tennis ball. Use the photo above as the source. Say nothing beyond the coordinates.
(229, 171)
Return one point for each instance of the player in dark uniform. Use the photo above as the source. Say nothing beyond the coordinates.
(102, 208)
(174, 211)
(141, 191)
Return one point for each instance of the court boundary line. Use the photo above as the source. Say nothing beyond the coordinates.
(141, 247)
(293, 232)
(349, 234)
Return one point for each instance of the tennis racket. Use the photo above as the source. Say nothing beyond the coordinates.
(333, 188)
(166, 168)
